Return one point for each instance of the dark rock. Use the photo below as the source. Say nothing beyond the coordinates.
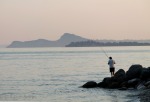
(114, 85)
(110, 82)
(148, 79)
(123, 88)
(124, 84)
(133, 78)
(120, 76)
(147, 83)
(134, 72)
(90, 84)
(107, 81)
(133, 82)
(148, 86)
(145, 74)
(101, 85)
(141, 86)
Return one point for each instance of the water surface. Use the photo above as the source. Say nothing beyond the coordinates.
(55, 74)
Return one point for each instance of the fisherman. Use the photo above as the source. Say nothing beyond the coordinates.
(111, 63)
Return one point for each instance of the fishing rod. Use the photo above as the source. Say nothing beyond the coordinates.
(104, 52)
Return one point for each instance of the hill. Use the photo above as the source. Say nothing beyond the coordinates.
(72, 40)
(65, 39)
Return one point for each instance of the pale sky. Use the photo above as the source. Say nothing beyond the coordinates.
(24, 20)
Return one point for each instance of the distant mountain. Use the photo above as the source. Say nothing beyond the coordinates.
(72, 40)
(65, 39)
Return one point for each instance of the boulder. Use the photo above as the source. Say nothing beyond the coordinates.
(110, 82)
(148, 79)
(123, 88)
(145, 74)
(133, 82)
(134, 72)
(101, 85)
(90, 84)
(136, 77)
(124, 84)
(148, 86)
(147, 83)
(141, 86)
(114, 85)
(107, 81)
(120, 76)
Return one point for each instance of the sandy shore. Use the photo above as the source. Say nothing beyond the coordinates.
(145, 96)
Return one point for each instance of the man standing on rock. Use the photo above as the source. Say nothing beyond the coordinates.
(111, 63)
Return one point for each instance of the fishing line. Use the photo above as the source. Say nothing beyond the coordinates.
(104, 52)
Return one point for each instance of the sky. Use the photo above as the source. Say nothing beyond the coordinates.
(24, 20)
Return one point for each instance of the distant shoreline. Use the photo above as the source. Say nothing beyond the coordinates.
(72, 46)
(91, 43)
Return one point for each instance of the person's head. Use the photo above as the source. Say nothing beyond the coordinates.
(110, 57)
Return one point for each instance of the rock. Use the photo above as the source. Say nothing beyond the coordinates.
(131, 88)
(101, 85)
(111, 82)
(90, 84)
(134, 72)
(147, 83)
(148, 86)
(120, 76)
(145, 74)
(114, 85)
(107, 81)
(124, 84)
(148, 79)
(133, 82)
(141, 86)
(123, 88)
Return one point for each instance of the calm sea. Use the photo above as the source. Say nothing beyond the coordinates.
(56, 74)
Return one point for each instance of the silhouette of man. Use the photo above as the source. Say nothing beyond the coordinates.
(111, 63)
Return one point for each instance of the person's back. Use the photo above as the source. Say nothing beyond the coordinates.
(111, 63)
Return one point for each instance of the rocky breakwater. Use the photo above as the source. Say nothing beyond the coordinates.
(136, 77)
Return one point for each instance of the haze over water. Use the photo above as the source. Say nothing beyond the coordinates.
(55, 74)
